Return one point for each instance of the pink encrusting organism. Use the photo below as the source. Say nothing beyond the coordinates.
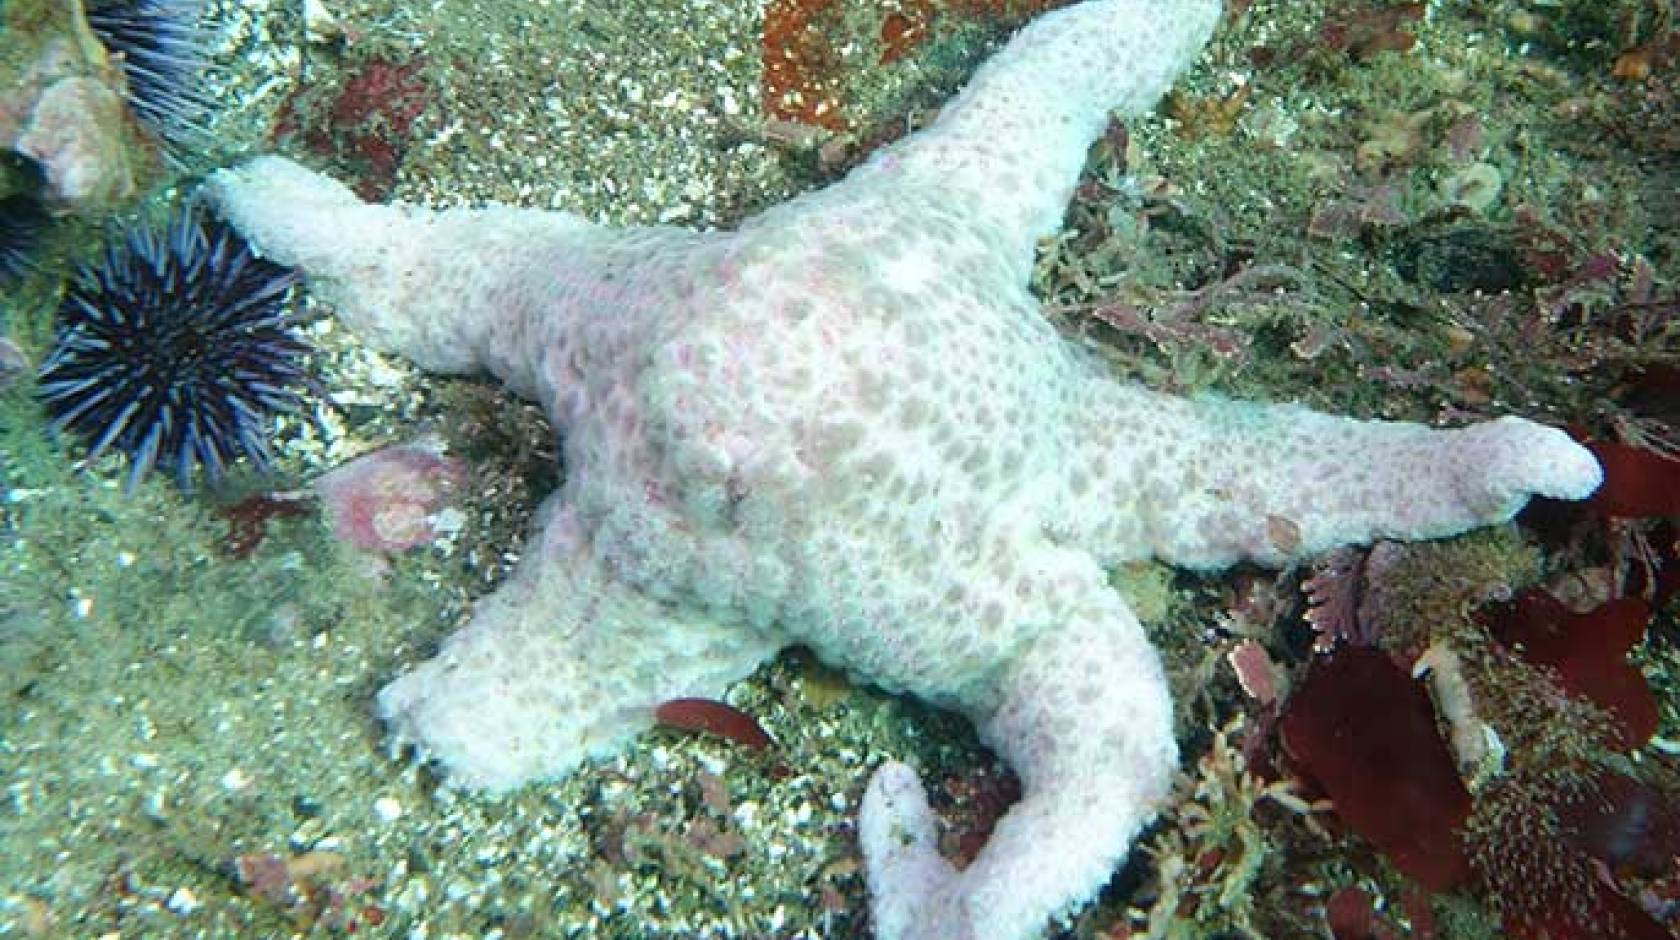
(389, 500)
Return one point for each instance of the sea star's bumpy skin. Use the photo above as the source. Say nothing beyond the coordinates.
(847, 425)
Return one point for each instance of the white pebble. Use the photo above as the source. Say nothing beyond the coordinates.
(387, 809)
(182, 901)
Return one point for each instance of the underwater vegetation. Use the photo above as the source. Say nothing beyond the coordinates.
(805, 59)
(1562, 834)
(1509, 695)
(175, 349)
(362, 122)
(161, 50)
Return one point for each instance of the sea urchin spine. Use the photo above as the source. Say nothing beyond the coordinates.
(176, 348)
(162, 51)
(22, 221)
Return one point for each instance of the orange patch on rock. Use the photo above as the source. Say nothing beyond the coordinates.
(802, 74)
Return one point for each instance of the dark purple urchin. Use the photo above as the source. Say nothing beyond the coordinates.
(23, 220)
(176, 348)
(161, 48)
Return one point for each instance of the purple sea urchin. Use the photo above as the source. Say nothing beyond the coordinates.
(24, 218)
(175, 349)
(162, 51)
(22, 221)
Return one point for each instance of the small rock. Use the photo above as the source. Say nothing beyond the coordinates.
(392, 499)
(319, 24)
(77, 133)
(182, 901)
(1461, 260)
(1475, 187)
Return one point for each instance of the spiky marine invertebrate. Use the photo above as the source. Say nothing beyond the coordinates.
(161, 48)
(175, 348)
(22, 220)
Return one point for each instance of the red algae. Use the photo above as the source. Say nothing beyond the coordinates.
(1625, 824)
(365, 123)
(1351, 915)
(712, 717)
(1552, 871)
(1638, 483)
(247, 520)
(1588, 651)
(799, 64)
(1364, 731)
(802, 68)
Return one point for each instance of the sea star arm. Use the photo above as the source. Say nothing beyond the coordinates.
(562, 663)
(847, 423)
(1207, 482)
(1006, 153)
(536, 298)
(1085, 721)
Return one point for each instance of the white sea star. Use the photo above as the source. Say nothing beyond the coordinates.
(847, 425)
